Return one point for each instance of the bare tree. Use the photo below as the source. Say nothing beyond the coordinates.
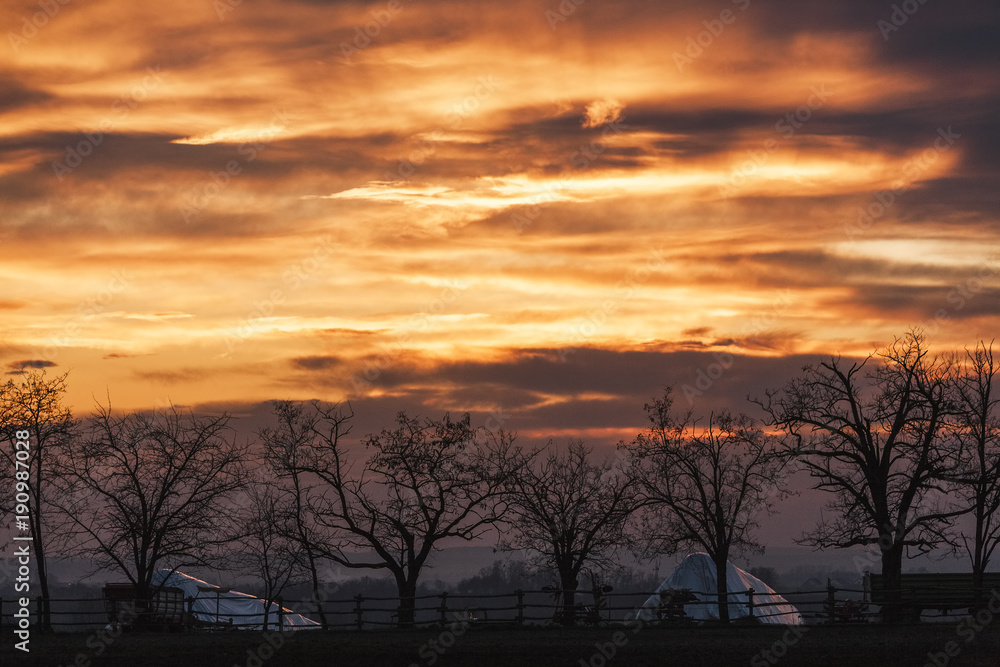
(870, 433)
(285, 449)
(267, 547)
(572, 512)
(978, 432)
(425, 481)
(152, 491)
(705, 487)
(35, 405)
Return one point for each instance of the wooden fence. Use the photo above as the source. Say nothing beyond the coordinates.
(517, 608)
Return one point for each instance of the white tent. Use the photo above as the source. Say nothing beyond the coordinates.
(246, 611)
(697, 574)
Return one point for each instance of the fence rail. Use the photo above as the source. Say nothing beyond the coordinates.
(517, 608)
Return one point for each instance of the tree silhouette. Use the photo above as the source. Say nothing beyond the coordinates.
(35, 405)
(152, 491)
(978, 433)
(425, 481)
(870, 433)
(572, 512)
(285, 449)
(266, 543)
(704, 487)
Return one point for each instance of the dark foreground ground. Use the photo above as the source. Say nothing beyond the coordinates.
(549, 647)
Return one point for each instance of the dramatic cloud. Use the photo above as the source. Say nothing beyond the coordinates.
(490, 207)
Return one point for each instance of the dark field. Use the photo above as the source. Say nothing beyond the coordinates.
(551, 647)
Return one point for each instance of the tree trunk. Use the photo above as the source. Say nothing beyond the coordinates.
(142, 600)
(722, 588)
(314, 575)
(37, 541)
(43, 580)
(569, 584)
(407, 602)
(979, 550)
(892, 570)
(306, 543)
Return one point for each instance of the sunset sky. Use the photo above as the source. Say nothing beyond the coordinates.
(545, 211)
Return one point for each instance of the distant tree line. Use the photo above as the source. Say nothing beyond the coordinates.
(904, 441)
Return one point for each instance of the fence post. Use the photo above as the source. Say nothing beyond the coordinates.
(444, 608)
(360, 621)
(39, 610)
(189, 619)
(281, 615)
(520, 607)
(750, 601)
(831, 601)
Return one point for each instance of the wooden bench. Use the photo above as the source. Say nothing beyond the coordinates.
(941, 591)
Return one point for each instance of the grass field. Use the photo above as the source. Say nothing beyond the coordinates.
(549, 647)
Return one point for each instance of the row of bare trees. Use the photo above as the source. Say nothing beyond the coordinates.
(905, 442)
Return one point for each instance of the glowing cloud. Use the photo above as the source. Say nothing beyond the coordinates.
(600, 112)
